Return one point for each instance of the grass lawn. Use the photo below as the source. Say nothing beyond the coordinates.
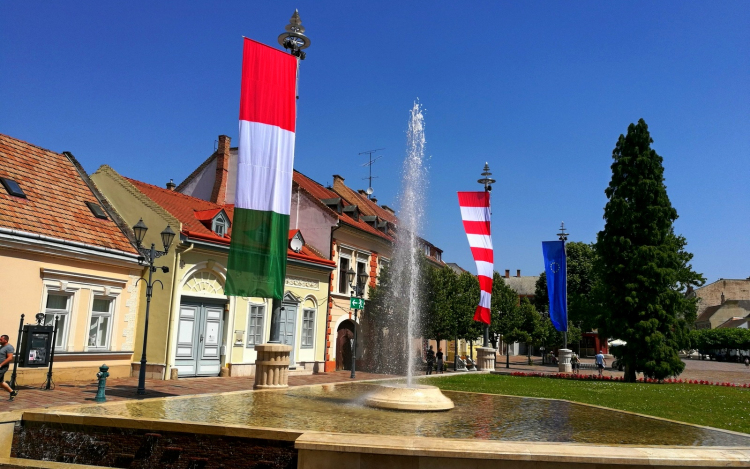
(713, 406)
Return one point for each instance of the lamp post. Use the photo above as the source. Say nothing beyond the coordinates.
(147, 258)
(358, 290)
(487, 182)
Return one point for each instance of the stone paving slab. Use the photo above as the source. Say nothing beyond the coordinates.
(125, 389)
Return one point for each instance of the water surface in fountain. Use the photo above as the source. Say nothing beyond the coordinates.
(340, 409)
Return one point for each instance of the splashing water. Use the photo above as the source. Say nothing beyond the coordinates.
(406, 266)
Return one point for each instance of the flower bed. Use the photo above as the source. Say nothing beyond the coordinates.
(586, 377)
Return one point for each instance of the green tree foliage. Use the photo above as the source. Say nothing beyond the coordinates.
(582, 305)
(439, 319)
(504, 302)
(642, 264)
(706, 340)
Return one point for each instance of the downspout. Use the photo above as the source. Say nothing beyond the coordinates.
(173, 302)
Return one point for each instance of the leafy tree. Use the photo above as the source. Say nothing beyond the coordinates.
(439, 318)
(582, 305)
(642, 264)
(504, 302)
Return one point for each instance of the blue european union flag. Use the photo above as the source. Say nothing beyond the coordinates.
(557, 279)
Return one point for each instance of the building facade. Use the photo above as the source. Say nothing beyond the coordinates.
(63, 256)
(194, 328)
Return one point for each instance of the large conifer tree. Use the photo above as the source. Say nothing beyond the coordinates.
(642, 264)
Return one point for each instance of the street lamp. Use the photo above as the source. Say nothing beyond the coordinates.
(358, 290)
(147, 258)
(293, 38)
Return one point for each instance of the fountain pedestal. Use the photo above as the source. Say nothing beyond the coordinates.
(415, 398)
(486, 358)
(272, 366)
(564, 365)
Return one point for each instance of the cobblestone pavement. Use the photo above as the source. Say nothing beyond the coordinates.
(125, 389)
(706, 370)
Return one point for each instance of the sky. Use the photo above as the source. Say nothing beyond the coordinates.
(540, 90)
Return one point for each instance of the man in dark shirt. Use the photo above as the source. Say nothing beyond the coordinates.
(6, 357)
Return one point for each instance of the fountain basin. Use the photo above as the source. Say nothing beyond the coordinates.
(415, 398)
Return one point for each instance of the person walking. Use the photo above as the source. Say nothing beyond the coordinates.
(430, 360)
(575, 363)
(600, 363)
(440, 362)
(6, 357)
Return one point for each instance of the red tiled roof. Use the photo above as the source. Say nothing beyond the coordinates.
(367, 206)
(188, 209)
(56, 198)
(317, 190)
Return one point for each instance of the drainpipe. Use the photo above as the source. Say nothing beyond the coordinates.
(172, 304)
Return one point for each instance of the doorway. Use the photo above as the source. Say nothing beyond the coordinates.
(199, 339)
(344, 339)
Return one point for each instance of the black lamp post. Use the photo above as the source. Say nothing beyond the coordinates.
(563, 236)
(358, 290)
(147, 258)
(487, 182)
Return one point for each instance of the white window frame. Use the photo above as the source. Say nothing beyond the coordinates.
(308, 328)
(98, 314)
(257, 330)
(342, 273)
(219, 221)
(67, 314)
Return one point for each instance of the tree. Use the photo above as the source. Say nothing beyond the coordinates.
(642, 264)
(439, 317)
(504, 301)
(582, 305)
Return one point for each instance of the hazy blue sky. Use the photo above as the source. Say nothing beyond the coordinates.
(540, 90)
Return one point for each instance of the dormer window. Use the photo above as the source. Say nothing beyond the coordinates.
(296, 241)
(334, 204)
(219, 225)
(352, 211)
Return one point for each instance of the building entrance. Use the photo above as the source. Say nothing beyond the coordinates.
(199, 337)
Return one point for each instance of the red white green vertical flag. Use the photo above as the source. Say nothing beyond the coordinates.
(257, 253)
(475, 213)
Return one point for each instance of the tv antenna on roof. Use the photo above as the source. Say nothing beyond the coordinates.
(369, 153)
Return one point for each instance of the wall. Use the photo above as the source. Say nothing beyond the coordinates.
(710, 295)
(28, 277)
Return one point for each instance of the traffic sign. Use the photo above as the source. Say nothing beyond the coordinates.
(356, 303)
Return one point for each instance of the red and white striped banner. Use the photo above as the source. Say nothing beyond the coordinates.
(475, 213)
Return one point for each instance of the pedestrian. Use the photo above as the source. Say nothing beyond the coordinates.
(600, 363)
(6, 355)
(440, 362)
(430, 360)
(575, 363)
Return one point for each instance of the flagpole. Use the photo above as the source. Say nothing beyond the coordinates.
(563, 236)
(487, 181)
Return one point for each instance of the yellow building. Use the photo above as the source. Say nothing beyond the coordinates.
(196, 330)
(63, 255)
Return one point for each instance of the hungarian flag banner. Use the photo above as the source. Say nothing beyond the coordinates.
(475, 213)
(257, 253)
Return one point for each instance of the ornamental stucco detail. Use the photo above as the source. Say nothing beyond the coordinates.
(204, 283)
(301, 282)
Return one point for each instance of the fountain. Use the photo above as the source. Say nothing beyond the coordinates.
(406, 275)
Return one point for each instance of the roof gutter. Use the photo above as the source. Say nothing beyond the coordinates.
(49, 239)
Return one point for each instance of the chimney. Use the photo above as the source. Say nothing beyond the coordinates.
(518, 273)
(219, 192)
(338, 184)
(171, 185)
(507, 273)
(374, 200)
